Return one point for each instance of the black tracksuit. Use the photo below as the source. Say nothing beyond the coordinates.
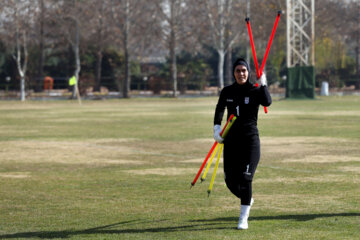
(242, 144)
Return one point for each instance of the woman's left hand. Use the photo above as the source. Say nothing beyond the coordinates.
(217, 137)
(263, 80)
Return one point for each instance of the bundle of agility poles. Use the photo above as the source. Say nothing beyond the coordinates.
(217, 148)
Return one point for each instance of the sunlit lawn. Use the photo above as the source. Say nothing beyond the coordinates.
(121, 169)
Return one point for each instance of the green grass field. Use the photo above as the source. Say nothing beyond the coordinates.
(121, 169)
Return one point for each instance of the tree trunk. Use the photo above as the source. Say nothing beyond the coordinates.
(221, 49)
(126, 83)
(21, 69)
(98, 70)
(229, 74)
(41, 45)
(77, 58)
(221, 69)
(99, 54)
(173, 70)
(357, 84)
(22, 88)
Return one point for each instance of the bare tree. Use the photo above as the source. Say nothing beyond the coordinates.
(22, 67)
(165, 27)
(125, 13)
(126, 30)
(44, 10)
(100, 42)
(174, 14)
(19, 18)
(41, 38)
(337, 23)
(223, 16)
(99, 24)
(69, 21)
(18, 58)
(352, 35)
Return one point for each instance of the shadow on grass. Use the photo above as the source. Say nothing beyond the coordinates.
(196, 225)
(104, 230)
(296, 217)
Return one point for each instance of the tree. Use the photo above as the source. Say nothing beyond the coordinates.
(337, 28)
(353, 34)
(41, 38)
(22, 67)
(50, 31)
(223, 17)
(126, 15)
(19, 18)
(174, 14)
(69, 22)
(99, 20)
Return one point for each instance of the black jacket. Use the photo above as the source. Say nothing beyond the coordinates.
(243, 101)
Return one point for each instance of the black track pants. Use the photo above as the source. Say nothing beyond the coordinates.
(241, 158)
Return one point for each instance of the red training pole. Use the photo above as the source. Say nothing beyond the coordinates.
(203, 164)
(270, 41)
(265, 109)
(211, 150)
(254, 52)
(253, 47)
(268, 47)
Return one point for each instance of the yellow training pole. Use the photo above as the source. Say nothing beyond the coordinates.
(225, 132)
(228, 127)
(216, 167)
(209, 163)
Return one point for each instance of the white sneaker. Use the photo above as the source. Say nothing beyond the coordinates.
(243, 224)
(244, 214)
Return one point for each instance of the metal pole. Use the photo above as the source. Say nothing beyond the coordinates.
(288, 51)
(313, 32)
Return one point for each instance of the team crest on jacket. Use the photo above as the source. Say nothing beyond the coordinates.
(247, 99)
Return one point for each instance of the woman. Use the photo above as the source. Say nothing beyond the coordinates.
(242, 144)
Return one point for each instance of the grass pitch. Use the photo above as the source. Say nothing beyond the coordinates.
(121, 169)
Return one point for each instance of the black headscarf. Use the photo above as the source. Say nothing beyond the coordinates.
(241, 61)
